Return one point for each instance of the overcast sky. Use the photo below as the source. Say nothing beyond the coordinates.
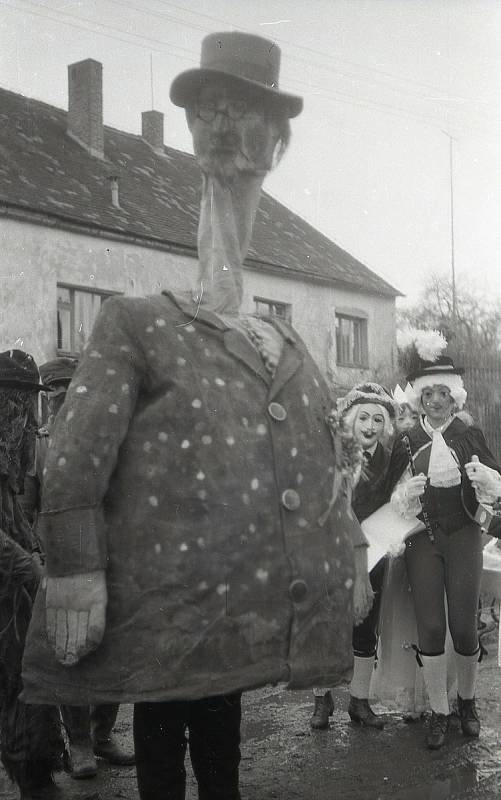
(384, 82)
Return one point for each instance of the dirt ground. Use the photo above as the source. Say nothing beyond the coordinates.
(282, 759)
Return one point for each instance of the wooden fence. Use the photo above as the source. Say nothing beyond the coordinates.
(482, 380)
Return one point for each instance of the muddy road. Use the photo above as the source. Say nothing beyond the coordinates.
(283, 760)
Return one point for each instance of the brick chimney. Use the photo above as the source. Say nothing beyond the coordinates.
(85, 105)
(153, 129)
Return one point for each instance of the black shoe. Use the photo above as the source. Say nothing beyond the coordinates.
(470, 723)
(435, 738)
(324, 708)
(361, 713)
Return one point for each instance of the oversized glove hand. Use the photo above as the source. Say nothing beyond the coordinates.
(76, 608)
(485, 481)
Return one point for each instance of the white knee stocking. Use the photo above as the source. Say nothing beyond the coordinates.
(362, 673)
(466, 667)
(435, 679)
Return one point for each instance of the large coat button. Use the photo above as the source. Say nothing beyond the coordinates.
(298, 590)
(277, 412)
(291, 500)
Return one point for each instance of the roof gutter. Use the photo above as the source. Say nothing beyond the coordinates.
(28, 214)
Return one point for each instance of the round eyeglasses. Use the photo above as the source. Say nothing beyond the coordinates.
(207, 110)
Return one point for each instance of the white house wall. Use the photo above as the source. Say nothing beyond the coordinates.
(34, 258)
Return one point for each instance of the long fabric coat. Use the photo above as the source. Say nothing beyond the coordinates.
(196, 480)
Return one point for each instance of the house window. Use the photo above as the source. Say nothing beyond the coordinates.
(272, 308)
(77, 310)
(351, 341)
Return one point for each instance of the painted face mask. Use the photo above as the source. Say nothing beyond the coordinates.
(232, 133)
(368, 427)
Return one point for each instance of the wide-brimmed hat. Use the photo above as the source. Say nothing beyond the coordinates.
(442, 365)
(18, 370)
(58, 371)
(368, 393)
(239, 58)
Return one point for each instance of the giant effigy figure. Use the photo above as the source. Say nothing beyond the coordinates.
(198, 538)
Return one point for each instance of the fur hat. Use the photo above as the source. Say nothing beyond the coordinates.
(241, 59)
(368, 393)
(59, 371)
(18, 370)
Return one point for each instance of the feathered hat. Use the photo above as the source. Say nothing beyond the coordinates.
(421, 354)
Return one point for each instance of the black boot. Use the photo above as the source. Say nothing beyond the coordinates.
(435, 738)
(361, 713)
(470, 723)
(324, 708)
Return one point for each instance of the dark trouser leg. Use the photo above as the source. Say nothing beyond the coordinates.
(215, 746)
(160, 746)
(426, 573)
(76, 720)
(102, 720)
(364, 637)
(462, 578)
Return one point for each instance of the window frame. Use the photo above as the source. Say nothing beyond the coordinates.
(271, 304)
(104, 294)
(360, 320)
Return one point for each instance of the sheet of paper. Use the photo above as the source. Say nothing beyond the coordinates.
(386, 531)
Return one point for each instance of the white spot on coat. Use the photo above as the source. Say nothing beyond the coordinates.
(185, 444)
(197, 403)
(160, 322)
(200, 475)
(206, 439)
(262, 575)
(81, 390)
(254, 484)
(153, 501)
(230, 440)
(61, 461)
(163, 436)
(261, 429)
(183, 547)
(111, 371)
(113, 409)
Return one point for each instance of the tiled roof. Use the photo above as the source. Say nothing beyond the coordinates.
(44, 170)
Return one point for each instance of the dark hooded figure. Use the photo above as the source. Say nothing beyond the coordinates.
(31, 743)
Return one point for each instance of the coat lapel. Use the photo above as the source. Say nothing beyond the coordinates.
(241, 348)
(290, 360)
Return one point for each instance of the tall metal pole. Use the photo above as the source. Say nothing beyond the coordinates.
(453, 266)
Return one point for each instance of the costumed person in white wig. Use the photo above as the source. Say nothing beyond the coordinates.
(439, 471)
(367, 413)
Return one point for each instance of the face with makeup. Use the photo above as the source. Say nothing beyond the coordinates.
(437, 403)
(406, 418)
(233, 131)
(369, 424)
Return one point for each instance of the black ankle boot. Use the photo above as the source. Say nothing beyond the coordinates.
(437, 730)
(470, 723)
(324, 708)
(361, 713)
